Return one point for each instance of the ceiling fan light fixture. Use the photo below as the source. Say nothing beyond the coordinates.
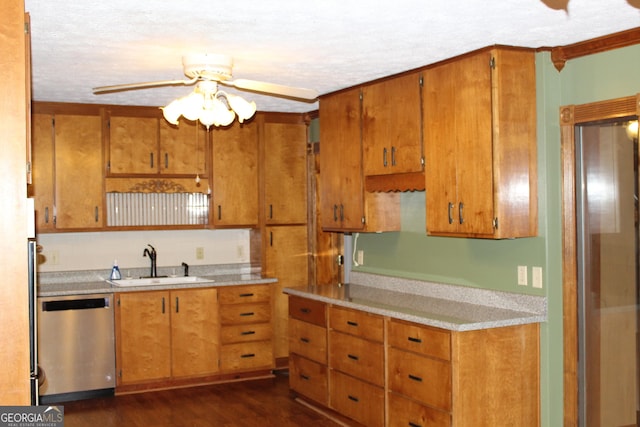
(172, 111)
(224, 116)
(192, 106)
(245, 110)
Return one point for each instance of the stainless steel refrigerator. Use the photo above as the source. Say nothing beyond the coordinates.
(33, 321)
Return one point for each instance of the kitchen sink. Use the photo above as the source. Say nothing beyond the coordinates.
(154, 281)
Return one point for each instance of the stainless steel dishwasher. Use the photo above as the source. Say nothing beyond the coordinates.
(76, 347)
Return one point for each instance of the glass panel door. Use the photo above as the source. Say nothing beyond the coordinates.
(607, 207)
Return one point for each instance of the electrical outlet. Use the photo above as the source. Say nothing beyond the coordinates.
(240, 252)
(199, 253)
(536, 277)
(522, 275)
(360, 259)
(54, 258)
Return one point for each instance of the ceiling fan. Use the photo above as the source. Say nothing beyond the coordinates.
(216, 68)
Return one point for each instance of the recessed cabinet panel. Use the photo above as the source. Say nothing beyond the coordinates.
(133, 145)
(183, 148)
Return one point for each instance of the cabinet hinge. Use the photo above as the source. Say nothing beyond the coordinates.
(120, 373)
(361, 95)
(28, 167)
(363, 220)
(27, 30)
(495, 223)
(492, 63)
(422, 162)
(421, 80)
(53, 121)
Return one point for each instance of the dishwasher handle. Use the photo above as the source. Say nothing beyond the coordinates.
(75, 304)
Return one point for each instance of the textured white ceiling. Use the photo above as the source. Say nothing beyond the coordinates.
(323, 44)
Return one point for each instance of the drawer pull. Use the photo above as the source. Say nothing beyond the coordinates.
(305, 310)
(414, 424)
(353, 357)
(249, 313)
(305, 340)
(304, 377)
(355, 399)
(247, 332)
(418, 340)
(245, 356)
(414, 378)
(352, 323)
(250, 294)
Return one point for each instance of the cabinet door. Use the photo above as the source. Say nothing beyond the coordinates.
(341, 182)
(42, 188)
(133, 145)
(143, 337)
(285, 174)
(194, 332)
(79, 188)
(458, 147)
(287, 259)
(183, 148)
(391, 124)
(235, 175)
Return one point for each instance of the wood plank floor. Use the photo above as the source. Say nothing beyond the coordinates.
(248, 403)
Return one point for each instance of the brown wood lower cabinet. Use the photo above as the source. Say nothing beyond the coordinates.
(388, 372)
(190, 336)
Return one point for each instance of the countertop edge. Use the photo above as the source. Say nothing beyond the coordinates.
(521, 319)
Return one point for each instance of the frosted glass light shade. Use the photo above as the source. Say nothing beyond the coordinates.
(245, 110)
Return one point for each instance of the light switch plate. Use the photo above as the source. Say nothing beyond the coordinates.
(536, 277)
(522, 275)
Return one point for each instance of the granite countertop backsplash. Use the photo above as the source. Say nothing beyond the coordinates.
(452, 307)
(95, 281)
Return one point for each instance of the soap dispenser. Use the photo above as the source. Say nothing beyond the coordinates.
(115, 272)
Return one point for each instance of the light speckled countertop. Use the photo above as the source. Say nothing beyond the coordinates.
(456, 308)
(94, 281)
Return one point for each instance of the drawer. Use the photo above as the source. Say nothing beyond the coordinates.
(308, 310)
(234, 314)
(420, 339)
(356, 399)
(405, 412)
(243, 333)
(242, 356)
(359, 323)
(309, 378)
(308, 340)
(244, 294)
(422, 378)
(357, 357)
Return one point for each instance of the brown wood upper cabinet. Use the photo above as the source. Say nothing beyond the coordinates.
(285, 172)
(67, 176)
(344, 205)
(141, 142)
(391, 126)
(480, 145)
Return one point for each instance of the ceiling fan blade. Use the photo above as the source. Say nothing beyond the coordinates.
(142, 85)
(274, 89)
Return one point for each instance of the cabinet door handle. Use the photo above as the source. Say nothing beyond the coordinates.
(247, 333)
(393, 156)
(412, 339)
(304, 340)
(414, 424)
(162, 305)
(219, 212)
(166, 160)
(352, 323)
(335, 213)
(415, 378)
(46, 215)
(353, 357)
(341, 212)
(384, 157)
(305, 310)
(249, 294)
(177, 304)
(247, 314)
(305, 377)
(271, 238)
(96, 214)
(354, 398)
(270, 211)
(151, 160)
(450, 213)
(244, 356)
(460, 216)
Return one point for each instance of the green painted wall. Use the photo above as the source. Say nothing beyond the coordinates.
(493, 264)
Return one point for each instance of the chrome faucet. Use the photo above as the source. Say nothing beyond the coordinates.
(152, 256)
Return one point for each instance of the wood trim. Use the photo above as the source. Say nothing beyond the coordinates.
(561, 54)
(410, 181)
(570, 116)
